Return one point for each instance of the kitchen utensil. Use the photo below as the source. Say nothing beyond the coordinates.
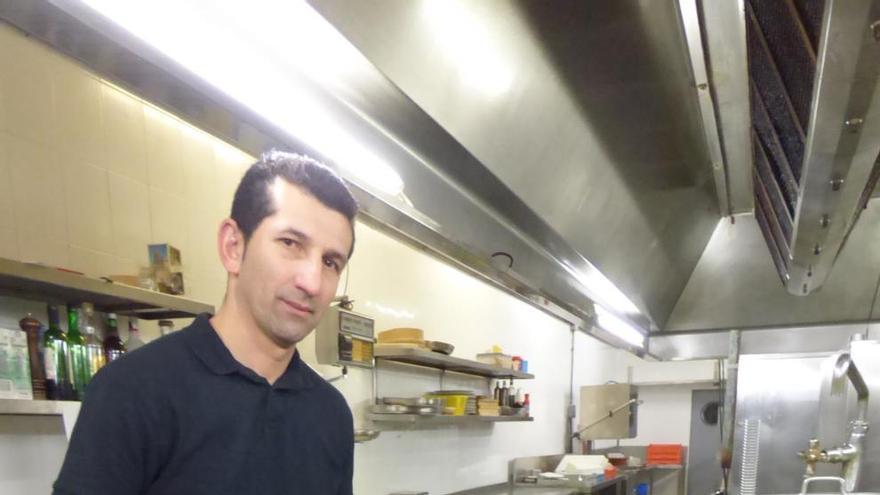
(441, 347)
(496, 359)
(390, 409)
(452, 392)
(458, 402)
(582, 464)
(410, 401)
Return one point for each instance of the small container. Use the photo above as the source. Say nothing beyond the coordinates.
(166, 327)
(517, 363)
(498, 359)
(610, 472)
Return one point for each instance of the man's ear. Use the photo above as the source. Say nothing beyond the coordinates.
(230, 245)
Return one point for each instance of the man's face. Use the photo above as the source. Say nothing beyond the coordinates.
(292, 263)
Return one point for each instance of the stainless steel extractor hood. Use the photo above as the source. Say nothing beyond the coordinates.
(816, 135)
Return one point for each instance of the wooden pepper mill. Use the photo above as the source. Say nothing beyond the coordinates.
(31, 327)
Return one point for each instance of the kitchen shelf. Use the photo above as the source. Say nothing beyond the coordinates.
(426, 420)
(24, 407)
(42, 283)
(439, 361)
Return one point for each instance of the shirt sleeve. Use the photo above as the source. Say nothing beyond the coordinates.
(113, 447)
(348, 471)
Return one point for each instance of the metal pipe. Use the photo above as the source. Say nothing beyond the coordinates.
(844, 367)
(611, 413)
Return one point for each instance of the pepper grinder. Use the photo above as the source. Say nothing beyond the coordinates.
(31, 326)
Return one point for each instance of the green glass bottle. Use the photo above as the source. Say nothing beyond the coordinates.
(113, 346)
(94, 346)
(58, 386)
(76, 349)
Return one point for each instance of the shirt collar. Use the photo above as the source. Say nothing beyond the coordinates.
(210, 349)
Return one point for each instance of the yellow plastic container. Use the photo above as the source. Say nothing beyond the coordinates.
(457, 402)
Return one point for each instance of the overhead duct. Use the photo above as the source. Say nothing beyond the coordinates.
(815, 130)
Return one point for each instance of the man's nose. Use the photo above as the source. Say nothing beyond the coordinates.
(308, 276)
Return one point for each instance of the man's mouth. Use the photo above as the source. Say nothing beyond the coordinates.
(297, 308)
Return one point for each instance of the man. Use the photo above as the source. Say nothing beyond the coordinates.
(226, 406)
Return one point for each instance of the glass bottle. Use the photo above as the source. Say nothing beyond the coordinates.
(76, 350)
(113, 347)
(94, 346)
(134, 335)
(58, 385)
(165, 327)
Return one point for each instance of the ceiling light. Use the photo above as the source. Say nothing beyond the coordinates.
(469, 45)
(615, 325)
(268, 55)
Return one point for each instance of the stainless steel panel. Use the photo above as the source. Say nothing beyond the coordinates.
(583, 133)
(735, 285)
(725, 39)
(843, 140)
(715, 345)
(596, 401)
(786, 394)
(777, 401)
(693, 33)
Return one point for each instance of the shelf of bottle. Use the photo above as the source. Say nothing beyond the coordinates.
(439, 361)
(26, 407)
(42, 283)
(419, 419)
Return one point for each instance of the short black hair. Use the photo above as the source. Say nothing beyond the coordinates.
(252, 202)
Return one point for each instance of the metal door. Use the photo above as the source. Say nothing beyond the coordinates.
(704, 472)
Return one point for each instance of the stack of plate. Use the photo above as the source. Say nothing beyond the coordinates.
(408, 405)
(471, 406)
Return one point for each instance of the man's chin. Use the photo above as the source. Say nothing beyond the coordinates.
(286, 337)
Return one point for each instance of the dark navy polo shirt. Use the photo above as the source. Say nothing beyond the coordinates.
(181, 416)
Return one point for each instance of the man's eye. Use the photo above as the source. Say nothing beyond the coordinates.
(331, 263)
(288, 241)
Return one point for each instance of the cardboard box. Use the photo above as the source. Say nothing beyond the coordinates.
(15, 369)
(164, 255)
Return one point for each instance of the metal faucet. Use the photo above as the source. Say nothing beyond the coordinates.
(849, 454)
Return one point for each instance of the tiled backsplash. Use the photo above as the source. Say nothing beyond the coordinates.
(89, 174)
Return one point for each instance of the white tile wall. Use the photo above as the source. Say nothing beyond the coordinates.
(26, 87)
(89, 174)
(78, 104)
(130, 218)
(124, 134)
(87, 199)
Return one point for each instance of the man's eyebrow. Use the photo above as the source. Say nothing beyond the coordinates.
(295, 233)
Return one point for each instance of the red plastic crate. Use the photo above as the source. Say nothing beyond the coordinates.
(659, 453)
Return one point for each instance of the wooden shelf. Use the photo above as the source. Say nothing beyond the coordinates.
(439, 361)
(42, 283)
(425, 420)
(22, 407)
